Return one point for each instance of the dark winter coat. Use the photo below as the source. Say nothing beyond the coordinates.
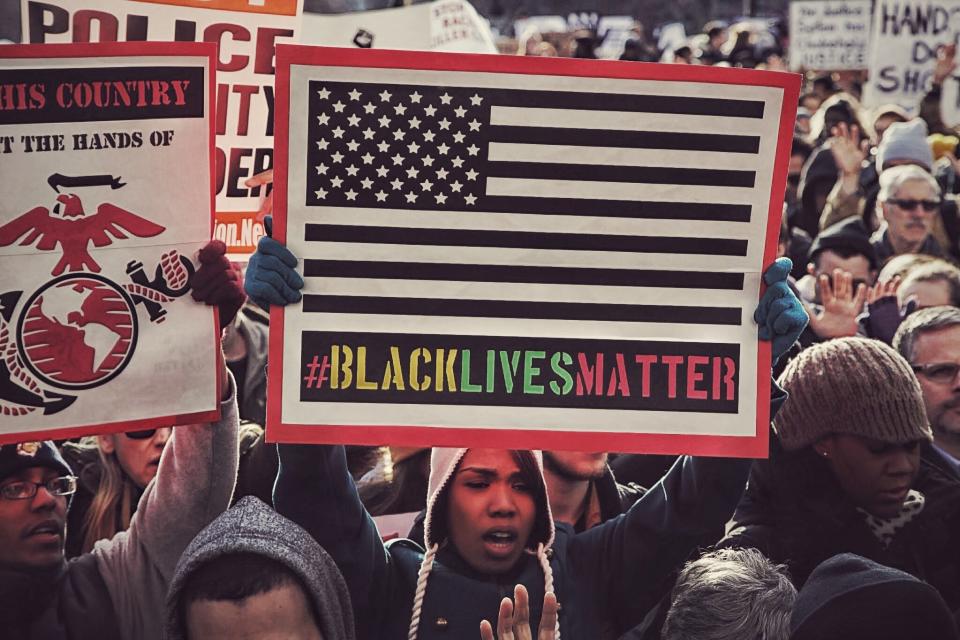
(606, 578)
(118, 590)
(795, 513)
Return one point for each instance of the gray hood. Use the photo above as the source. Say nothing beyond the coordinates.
(251, 526)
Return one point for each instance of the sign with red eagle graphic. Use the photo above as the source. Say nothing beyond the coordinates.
(106, 197)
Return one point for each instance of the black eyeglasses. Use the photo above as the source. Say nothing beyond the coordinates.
(24, 489)
(939, 372)
(909, 204)
(140, 435)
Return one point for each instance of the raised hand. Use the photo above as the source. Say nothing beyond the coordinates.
(946, 63)
(271, 277)
(779, 316)
(217, 282)
(262, 179)
(513, 621)
(848, 150)
(841, 306)
(883, 290)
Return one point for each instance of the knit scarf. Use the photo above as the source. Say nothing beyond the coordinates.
(885, 529)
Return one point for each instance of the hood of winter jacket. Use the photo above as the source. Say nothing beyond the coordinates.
(251, 526)
(443, 464)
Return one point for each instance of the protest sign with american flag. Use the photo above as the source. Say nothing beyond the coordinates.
(525, 253)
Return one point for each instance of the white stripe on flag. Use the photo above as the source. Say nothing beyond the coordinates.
(588, 189)
(623, 121)
(528, 257)
(475, 290)
(413, 219)
(535, 327)
(571, 154)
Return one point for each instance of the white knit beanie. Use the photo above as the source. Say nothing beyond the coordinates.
(905, 141)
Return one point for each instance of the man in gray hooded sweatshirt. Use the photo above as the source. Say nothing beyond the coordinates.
(255, 573)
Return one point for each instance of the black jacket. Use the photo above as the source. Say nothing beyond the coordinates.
(796, 513)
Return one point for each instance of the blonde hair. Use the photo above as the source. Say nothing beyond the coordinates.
(114, 496)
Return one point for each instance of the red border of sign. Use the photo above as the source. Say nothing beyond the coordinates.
(744, 446)
(206, 50)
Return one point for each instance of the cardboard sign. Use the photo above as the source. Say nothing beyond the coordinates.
(105, 200)
(903, 49)
(246, 32)
(525, 252)
(829, 34)
(442, 25)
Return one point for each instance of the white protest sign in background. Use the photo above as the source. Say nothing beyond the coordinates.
(443, 25)
(903, 49)
(104, 203)
(246, 32)
(829, 34)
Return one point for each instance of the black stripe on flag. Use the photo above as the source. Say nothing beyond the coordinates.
(626, 139)
(612, 173)
(618, 208)
(676, 105)
(523, 240)
(522, 274)
(523, 309)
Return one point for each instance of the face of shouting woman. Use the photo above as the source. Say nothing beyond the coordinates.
(491, 511)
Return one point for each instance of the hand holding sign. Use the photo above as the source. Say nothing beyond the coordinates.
(271, 278)
(217, 282)
(780, 315)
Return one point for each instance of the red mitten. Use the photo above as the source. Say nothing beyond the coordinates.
(217, 282)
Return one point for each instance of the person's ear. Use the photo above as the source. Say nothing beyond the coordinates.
(106, 443)
(824, 447)
(811, 269)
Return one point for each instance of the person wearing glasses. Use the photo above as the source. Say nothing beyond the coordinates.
(112, 472)
(847, 471)
(118, 590)
(908, 203)
(930, 341)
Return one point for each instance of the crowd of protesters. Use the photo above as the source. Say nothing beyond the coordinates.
(847, 530)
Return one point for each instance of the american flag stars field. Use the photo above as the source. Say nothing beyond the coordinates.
(397, 147)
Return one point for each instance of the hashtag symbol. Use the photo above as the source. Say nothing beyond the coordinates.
(312, 379)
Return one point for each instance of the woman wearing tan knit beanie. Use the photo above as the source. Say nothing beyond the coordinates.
(847, 473)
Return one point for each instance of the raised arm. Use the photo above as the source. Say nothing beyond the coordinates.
(631, 556)
(193, 486)
(315, 490)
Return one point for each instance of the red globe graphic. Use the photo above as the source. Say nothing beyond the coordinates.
(78, 331)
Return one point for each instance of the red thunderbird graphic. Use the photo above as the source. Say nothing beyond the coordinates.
(72, 229)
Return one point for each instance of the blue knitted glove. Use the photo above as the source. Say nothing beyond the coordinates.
(270, 277)
(780, 314)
